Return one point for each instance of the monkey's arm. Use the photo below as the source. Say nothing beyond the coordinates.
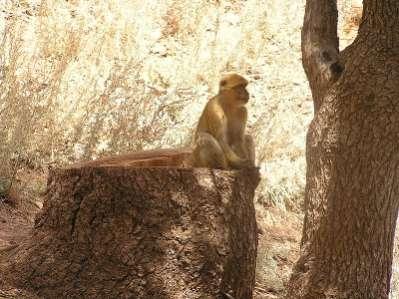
(238, 142)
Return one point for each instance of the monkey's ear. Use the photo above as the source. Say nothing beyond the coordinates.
(223, 84)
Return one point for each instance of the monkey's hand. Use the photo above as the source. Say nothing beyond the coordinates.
(239, 163)
(247, 163)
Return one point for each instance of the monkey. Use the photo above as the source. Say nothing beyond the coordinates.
(220, 140)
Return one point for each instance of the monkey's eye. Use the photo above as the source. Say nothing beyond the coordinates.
(223, 83)
(239, 87)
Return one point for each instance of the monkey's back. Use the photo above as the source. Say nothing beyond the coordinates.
(207, 117)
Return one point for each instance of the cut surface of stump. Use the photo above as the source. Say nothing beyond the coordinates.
(112, 230)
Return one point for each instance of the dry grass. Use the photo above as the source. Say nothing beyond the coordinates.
(82, 79)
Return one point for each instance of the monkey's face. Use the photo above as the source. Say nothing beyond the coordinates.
(241, 94)
(237, 95)
(233, 89)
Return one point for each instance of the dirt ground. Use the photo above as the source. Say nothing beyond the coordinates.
(14, 224)
(17, 212)
(17, 215)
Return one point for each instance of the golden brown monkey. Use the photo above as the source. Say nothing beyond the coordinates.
(220, 140)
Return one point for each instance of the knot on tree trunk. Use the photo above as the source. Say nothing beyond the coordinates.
(112, 230)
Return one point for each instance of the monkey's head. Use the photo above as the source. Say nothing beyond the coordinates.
(232, 87)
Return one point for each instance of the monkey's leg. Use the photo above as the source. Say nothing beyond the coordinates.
(249, 146)
(246, 149)
(208, 152)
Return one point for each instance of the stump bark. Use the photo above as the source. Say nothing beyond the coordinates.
(112, 230)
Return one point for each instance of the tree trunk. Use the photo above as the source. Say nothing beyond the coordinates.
(110, 230)
(352, 191)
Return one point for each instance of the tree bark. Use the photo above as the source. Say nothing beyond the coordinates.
(352, 190)
(108, 230)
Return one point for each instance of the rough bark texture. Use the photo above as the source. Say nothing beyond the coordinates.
(123, 232)
(352, 191)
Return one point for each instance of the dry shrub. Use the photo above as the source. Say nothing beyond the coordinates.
(352, 20)
(350, 15)
(29, 85)
(171, 18)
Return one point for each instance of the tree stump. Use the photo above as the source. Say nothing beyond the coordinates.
(109, 229)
